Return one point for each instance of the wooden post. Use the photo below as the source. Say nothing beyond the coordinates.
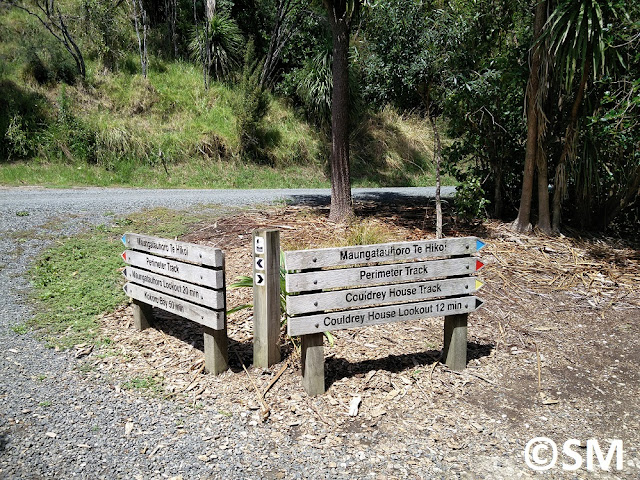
(216, 348)
(142, 314)
(266, 297)
(216, 343)
(454, 351)
(312, 352)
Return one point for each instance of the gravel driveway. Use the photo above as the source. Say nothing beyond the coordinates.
(57, 423)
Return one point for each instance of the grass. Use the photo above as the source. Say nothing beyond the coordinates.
(80, 278)
(143, 382)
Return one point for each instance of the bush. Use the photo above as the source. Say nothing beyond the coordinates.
(470, 198)
(251, 107)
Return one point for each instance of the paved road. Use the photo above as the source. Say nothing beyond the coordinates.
(56, 423)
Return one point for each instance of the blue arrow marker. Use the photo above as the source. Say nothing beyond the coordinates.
(479, 244)
(124, 239)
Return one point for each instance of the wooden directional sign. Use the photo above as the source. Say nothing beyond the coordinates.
(185, 252)
(177, 288)
(182, 271)
(396, 293)
(204, 316)
(324, 322)
(381, 274)
(380, 253)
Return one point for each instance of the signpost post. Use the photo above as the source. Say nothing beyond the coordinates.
(348, 287)
(266, 297)
(181, 278)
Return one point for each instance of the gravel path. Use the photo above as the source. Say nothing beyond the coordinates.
(56, 422)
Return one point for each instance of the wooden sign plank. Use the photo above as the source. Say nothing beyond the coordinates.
(182, 271)
(364, 297)
(324, 322)
(202, 315)
(177, 288)
(384, 252)
(379, 274)
(185, 252)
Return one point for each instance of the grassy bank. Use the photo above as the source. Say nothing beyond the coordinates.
(167, 130)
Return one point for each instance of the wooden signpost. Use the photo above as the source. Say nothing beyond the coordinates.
(266, 297)
(181, 278)
(348, 287)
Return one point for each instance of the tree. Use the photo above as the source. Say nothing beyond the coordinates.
(218, 46)
(287, 19)
(51, 18)
(341, 14)
(140, 16)
(536, 127)
(576, 32)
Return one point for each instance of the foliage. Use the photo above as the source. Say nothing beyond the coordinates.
(251, 107)
(105, 23)
(314, 88)
(578, 33)
(485, 113)
(470, 198)
(53, 20)
(224, 41)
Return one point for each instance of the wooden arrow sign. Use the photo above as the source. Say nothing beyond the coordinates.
(182, 251)
(380, 274)
(364, 297)
(379, 315)
(204, 316)
(177, 288)
(380, 253)
(182, 271)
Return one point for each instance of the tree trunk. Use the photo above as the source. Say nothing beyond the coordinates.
(568, 147)
(341, 203)
(142, 40)
(438, 156)
(523, 221)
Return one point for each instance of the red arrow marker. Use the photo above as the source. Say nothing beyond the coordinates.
(479, 264)
(124, 256)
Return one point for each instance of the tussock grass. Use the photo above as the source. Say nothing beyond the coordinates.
(391, 149)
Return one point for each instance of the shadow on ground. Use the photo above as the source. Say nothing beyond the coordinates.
(338, 368)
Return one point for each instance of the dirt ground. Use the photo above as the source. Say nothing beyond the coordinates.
(553, 352)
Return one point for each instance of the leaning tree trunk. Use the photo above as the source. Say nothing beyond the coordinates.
(341, 203)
